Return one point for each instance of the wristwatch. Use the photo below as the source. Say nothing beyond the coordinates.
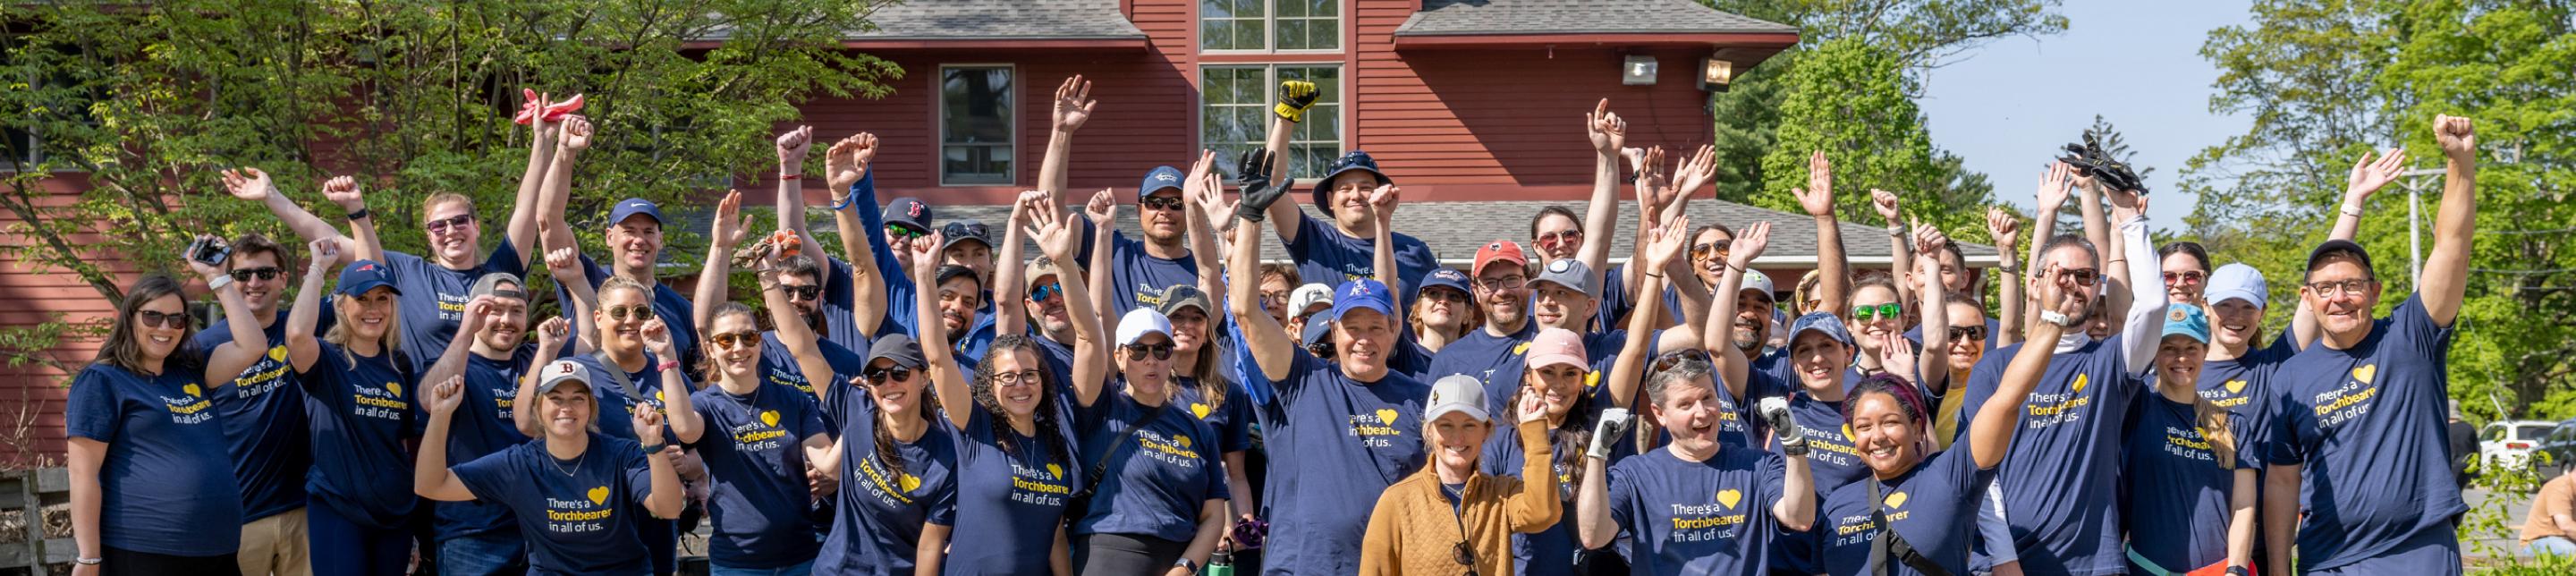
(1186, 565)
(219, 282)
(2238, 571)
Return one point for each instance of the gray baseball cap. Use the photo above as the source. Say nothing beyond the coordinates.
(1570, 273)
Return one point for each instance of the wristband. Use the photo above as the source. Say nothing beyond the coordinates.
(1653, 275)
(2238, 571)
(2009, 269)
(667, 365)
(219, 282)
(1186, 565)
(2052, 317)
(1794, 450)
(1897, 231)
(2353, 210)
(791, 176)
(358, 214)
(654, 450)
(89, 561)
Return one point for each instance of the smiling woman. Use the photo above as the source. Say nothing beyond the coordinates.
(152, 488)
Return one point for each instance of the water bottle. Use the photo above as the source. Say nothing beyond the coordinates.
(1221, 564)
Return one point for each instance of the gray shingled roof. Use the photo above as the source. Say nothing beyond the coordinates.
(1469, 17)
(1001, 20)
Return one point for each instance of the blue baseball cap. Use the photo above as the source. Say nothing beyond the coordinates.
(364, 275)
(632, 206)
(1318, 331)
(2187, 320)
(908, 212)
(2240, 282)
(1444, 277)
(1355, 160)
(1160, 178)
(1362, 294)
(1822, 322)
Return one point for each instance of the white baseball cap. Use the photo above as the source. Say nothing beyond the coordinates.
(1455, 393)
(1307, 296)
(1140, 322)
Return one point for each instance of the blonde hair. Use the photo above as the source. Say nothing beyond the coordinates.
(434, 200)
(340, 333)
(2213, 424)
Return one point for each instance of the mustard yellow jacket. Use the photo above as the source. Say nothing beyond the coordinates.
(1415, 531)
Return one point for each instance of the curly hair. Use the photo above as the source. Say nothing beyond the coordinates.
(1572, 438)
(1050, 433)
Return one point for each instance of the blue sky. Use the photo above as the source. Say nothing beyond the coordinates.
(2008, 106)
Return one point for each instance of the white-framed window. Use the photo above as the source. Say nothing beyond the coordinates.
(976, 124)
(1235, 110)
(1270, 25)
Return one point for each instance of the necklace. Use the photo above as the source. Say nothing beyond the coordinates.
(576, 463)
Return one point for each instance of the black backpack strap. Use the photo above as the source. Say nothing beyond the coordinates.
(1890, 544)
(1100, 467)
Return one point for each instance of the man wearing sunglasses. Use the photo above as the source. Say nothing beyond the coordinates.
(263, 415)
(1138, 270)
(2362, 410)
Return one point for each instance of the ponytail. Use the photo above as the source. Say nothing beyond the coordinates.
(2214, 429)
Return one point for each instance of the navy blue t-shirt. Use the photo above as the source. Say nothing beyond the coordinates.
(1009, 501)
(2243, 385)
(1933, 506)
(1137, 279)
(1707, 517)
(779, 366)
(2368, 424)
(433, 298)
(582, 522)
(1832, 457)
(1347, 441)
(1600, 351)
(483, 425)
(1231, 419)
(668, 304)
(264, 424)
(2175, 492)
(840, 297)
(754, 449)
(1554, 550)
(1158, 479)
(876, 525)
(362, 411)
(2064, 465)
(1482, 354)
(166, 486)
(1325, 255)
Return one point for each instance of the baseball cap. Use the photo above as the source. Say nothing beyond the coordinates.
(1354, 161)
(948, 271)
(2187, 320)
(1307, 296)
(2240, 282)
(1140, 322)
(964, 230)
(1042, 268)
(1556, 346)
(561, 371)
(1183, 296)
(1823, 322)
(1444, 277)
(2332, 247)
(1363, 294)
(1455, 393)
(1318, 331)
(1570, 273)
(633, 206)
(364, 275)
(1755, 280)
(899, 348)
(908, 212)
(490, 285)
(1497, 251)
(1159, 178)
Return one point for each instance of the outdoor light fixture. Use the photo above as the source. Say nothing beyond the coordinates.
(1715, 74)
(1638, 71)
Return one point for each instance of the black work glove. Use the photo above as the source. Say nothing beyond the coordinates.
(1253, 177)
(2092, 161)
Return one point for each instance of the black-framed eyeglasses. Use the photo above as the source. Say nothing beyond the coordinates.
(1512, 282)
(875, 376)
(1160, 203)
(727, 339)
(1161, 351)
(441, 226)
(263, 273)
(637, 312)
(1274, 298)
(1968, 333)
(2336, 288)
(152, 318)
(802, 293)
(1020, 378)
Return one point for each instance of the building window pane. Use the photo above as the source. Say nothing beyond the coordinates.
(1270, 25)
(975, 125)
(1235, 114)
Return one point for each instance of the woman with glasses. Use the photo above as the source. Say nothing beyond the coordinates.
(584, 495)
(897, 469)
(1017, 468)
(1156, 499)
(152, 487)
(2185, 266)
(359, 389)
(1444, 309)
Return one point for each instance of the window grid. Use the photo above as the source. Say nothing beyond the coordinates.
(977, 127)
(1235, 112)
(1270, 26)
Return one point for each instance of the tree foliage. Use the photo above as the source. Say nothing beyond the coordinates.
(1848, 99)
(144, 102)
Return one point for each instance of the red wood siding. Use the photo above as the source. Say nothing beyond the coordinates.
(31, 394)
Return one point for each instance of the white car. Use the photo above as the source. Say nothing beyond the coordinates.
(2509, 443)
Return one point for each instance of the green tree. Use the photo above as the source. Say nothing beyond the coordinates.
(1848, 99)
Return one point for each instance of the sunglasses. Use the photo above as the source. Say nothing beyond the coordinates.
(2185, 277)
(456, 222)
(1674, 359)
(876, 376)
(1161, 203)
(1047, 292)
(1444, 296)
(2085, 277)
(1969, 333)
(636, 312)
(1465, 555)
(802, 293)
(1159, 351)
(1561, 238)
(151, 318)
(727, 339)
(1704, 250)
(1890, 311)
(263, 273)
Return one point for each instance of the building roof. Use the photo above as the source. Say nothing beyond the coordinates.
(1475, 17)
(1001, 20)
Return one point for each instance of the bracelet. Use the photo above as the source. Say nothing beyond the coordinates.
(667, 365)
(358, 214)
(790, 176)
(219, 283)
(1653, 275)
(1896, 231)
(2008, 269)
(2353, 210)
(654, 450)
(89, 561)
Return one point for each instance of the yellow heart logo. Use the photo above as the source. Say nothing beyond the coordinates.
(1730, 497)
(1386, 416)
(1896, 500)
(909, 482)
(599, 495)
(769, 417)
(192, 390)
(1056, 471)
(2364, 373)
(1184, 441)
(1592, 380)
(1521, 350)
(1200, 409)
(1847, 434)
(394, 388)
(2080, 381)
(277, 353)
(2236, 386)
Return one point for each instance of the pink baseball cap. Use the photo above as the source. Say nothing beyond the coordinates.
(1556, 346)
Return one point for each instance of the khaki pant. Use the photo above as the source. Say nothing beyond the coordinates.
(276, 544)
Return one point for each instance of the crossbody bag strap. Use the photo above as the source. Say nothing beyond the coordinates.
(1889, 543)
(1100, 467)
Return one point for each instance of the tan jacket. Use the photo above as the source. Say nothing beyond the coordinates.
(1415, 531)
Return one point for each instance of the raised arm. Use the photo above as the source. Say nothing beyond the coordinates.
(792, 331)
(1718, 337)
(551, 335)
(728, 232)
(1534, 507)
(1073, 106)
(302, 345)
(1990, 435)
(226, 362)
(1295, 97)
(2005, 229)
(1382, 202)
(558, 187)
(1206, 199)
(1594, 526)
(1933, 373)
(564, 264)
(947, 380)
(792, 147)
(2055, 184)
(665, 496)
(524, 208)
(1834, 284)
(1901, 252)
(868, 291)
(430, 477)
(2145, 311)
(1796, 508)
(683, 418)
(1608, 134)
(1060, 236)
(1010, 286)
(845, 167)
(1270, 348)
(1663, 246)
(2446, 270)
(1102, 213)
(254, 185)
(451, 362)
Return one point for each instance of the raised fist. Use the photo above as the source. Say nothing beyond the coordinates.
(1295, 96)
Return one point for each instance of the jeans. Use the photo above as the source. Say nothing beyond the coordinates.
(2551, 545)
(340, 546)
(797, 570)
(489, 554)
